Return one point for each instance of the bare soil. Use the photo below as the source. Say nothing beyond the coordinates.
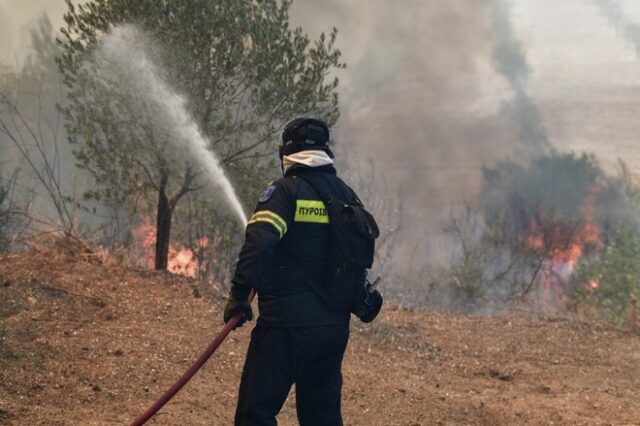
(86, 341)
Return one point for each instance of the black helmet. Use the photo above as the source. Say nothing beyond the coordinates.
(304, 134)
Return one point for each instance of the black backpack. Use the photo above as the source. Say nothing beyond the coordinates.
(351, 251)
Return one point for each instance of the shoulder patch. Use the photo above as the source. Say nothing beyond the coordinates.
(267, 193)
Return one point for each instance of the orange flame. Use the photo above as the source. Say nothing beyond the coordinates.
(550, 243)
(562, 245)
(181, 261)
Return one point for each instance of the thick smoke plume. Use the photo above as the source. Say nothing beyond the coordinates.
(511, 62)
(433, 92)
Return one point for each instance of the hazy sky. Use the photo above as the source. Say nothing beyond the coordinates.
(421, 91)
(574, 54)
(17, 17)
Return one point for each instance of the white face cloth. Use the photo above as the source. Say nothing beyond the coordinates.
(311, 158)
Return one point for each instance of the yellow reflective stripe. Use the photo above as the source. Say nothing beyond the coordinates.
(268, 220)
(273, 215)
(312, 211)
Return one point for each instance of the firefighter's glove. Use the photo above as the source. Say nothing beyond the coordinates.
(235, 306)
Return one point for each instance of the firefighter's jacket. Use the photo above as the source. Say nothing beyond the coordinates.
(286, 249)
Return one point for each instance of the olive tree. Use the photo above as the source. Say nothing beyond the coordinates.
(244, 73)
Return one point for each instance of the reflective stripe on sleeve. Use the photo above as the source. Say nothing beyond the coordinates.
(271, 217)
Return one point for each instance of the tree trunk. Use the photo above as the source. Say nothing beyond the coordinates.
(163, 230)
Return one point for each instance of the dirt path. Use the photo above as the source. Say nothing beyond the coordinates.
(87, 342)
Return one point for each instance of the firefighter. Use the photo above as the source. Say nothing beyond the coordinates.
(297, 339)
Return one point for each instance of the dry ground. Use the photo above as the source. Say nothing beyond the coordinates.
(84, 341)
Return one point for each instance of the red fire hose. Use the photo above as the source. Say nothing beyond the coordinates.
(173, 390)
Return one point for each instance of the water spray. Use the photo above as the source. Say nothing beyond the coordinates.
(121, 48)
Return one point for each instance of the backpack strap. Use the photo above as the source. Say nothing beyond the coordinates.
(364, 220)
(324, 196)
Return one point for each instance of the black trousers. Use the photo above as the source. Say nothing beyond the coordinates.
(310, 357)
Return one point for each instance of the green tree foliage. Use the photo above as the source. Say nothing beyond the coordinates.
(609, 282)
(244, 71)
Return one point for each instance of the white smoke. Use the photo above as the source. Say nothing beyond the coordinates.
(614, 14)
(18, 18)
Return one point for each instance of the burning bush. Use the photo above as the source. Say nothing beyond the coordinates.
(204, 243)
(532, 226)
(609, 284)
(524, 200)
